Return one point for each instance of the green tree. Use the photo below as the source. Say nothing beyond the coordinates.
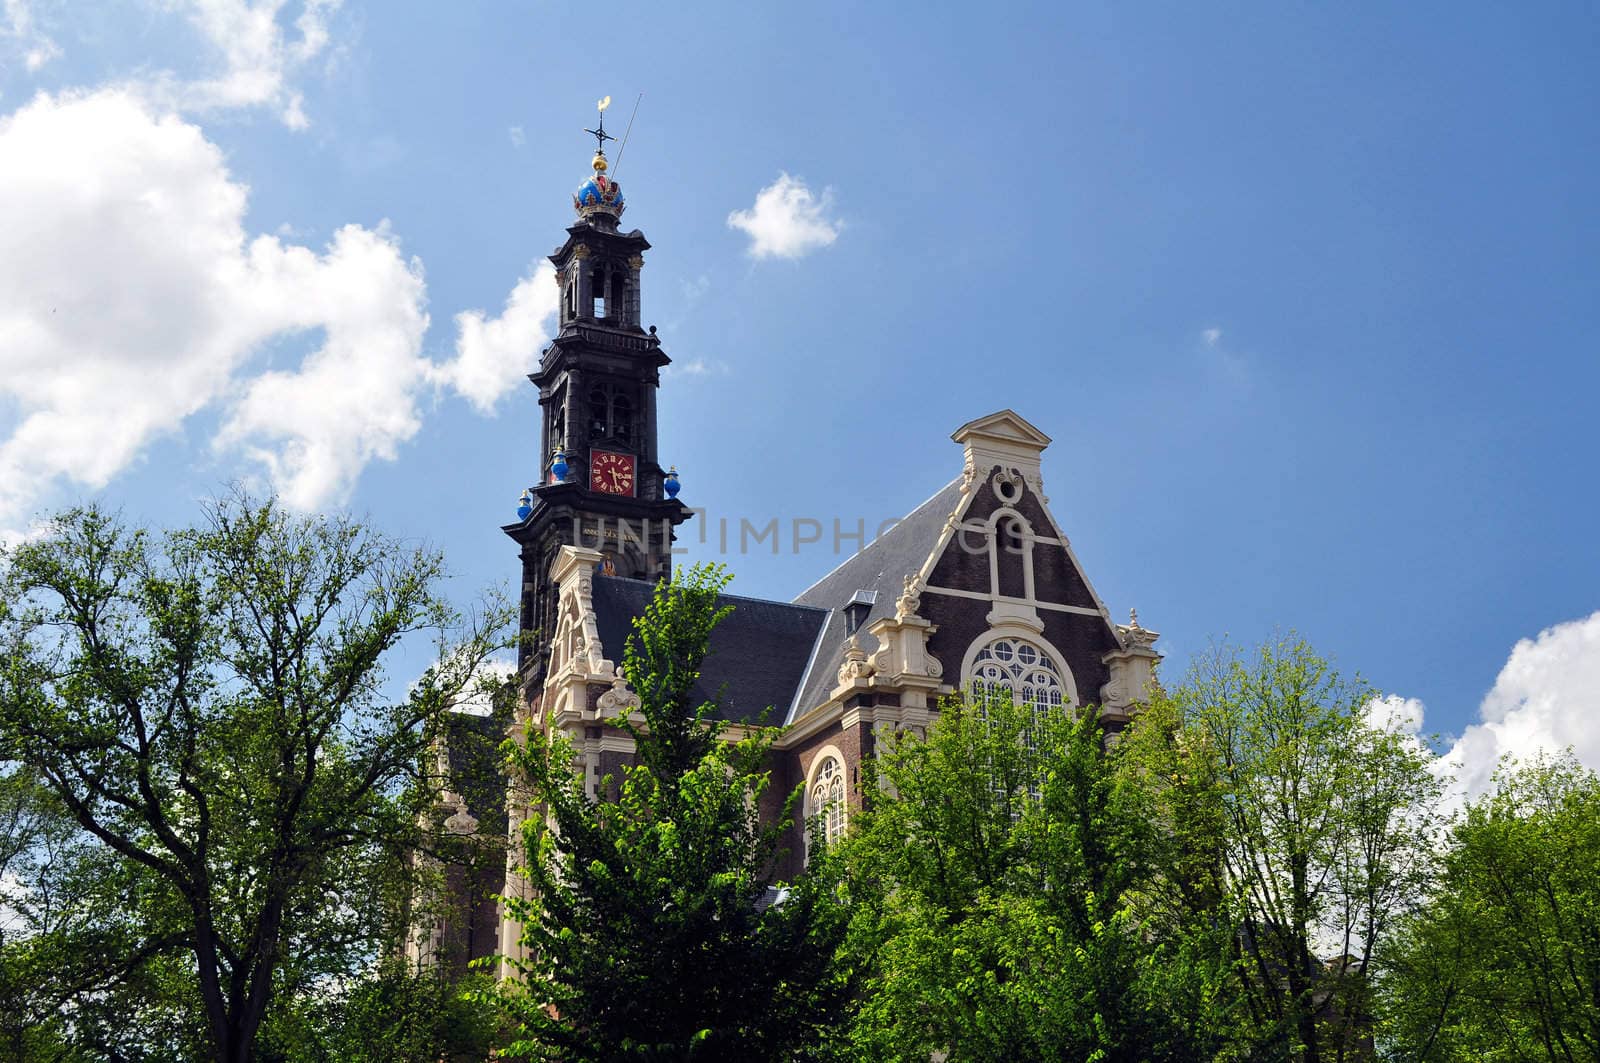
(1504, 962)
(1008, 854)
(1300, 828)
(208, 708)
(650, 935)
(395, 1011)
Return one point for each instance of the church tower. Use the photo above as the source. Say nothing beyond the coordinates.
(601, 485)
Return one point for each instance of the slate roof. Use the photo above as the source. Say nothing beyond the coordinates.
(882, 567)
(758, 654)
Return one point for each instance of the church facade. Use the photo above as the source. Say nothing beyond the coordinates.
(978, 586)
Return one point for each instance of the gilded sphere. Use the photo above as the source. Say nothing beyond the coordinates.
(599, 164)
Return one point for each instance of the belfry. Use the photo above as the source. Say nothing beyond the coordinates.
(599, 482)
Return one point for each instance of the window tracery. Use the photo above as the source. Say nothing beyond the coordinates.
(827, 799)
(1027, 671)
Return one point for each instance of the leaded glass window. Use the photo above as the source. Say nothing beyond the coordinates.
(1022, 668)
(827, 799)
(1029, 676)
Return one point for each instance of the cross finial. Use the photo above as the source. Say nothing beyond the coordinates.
(599, 133)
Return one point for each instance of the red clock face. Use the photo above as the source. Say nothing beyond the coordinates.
(611, 474)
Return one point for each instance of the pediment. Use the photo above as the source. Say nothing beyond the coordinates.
(1005, 427)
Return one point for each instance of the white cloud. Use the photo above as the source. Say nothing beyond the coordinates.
(1545, 700)
(1391, 712)
(1219, 356)
(21, 28)
(493, 354)
(787, 221)
(131, 297)
(1547, 697)
(518, 137)
(353, 399)
(258, 57)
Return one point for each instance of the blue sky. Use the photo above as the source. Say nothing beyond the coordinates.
(1306, 297)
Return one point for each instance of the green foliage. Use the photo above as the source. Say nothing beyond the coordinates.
(1297, 825)
(1007, 852)
(1504, 963)
(649, 935)
(392, 1013)
(206, 709)
(401, 1014)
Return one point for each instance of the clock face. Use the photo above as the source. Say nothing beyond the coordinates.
(611, 474)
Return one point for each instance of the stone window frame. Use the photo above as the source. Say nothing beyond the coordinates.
(833, 828)
(1050, 660)
(1025, 633)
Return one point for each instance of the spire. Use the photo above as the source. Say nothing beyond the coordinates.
(600, 135)
(599, 194)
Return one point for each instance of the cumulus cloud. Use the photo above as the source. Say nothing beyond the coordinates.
(131, 297)
(354, 398)
(492, 354)
(787, 220)
(1391, 712)
(1544, 700)
(1547, 697)
(1212, 336)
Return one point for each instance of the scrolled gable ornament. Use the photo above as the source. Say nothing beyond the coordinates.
(619, 700)
(910, 599)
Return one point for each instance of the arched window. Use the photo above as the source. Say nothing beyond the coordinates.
(1029, 674)
(1026, 670)
(597, 291)
(826, 799)
(611, 414)
(622, 419)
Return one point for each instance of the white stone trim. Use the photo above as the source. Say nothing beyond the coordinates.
(811, 662)
(1006, 512)
(822, 756)
(818, 719)
(1002, 438)
(1081, 610)
(847, 560)
(953, 523)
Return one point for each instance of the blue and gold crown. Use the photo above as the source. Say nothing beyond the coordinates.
(599, 193)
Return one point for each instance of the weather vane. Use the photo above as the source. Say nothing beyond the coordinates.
(600, 135)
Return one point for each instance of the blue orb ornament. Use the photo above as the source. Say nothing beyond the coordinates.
(558, 467)
(671, 482)
(524, 506)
